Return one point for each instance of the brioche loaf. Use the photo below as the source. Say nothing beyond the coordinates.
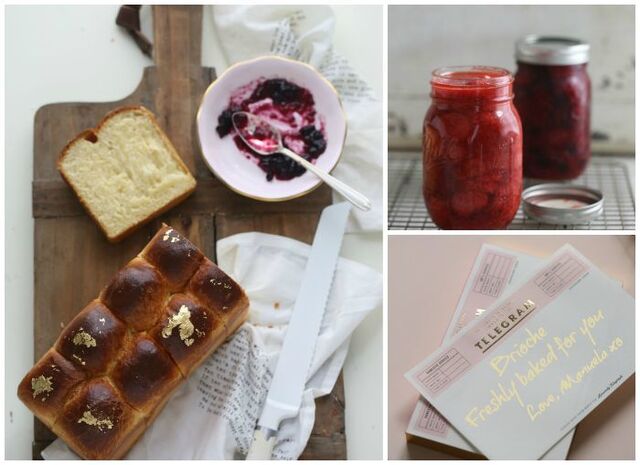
(125, 171)
(115, 364)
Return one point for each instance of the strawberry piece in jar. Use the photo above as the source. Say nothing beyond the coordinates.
(472, 149)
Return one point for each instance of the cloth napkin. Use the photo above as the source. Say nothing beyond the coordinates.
(305, 34)
(213, 414)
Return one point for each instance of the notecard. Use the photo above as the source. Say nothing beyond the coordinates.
(546, 354)
(496, 270)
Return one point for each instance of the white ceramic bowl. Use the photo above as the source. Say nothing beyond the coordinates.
(230, 165)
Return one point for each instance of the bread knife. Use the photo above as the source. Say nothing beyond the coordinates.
(289, 379)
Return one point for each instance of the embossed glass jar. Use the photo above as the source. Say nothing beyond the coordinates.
(553, 97)
(472, 149)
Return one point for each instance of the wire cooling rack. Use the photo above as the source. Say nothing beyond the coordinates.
(407, 210)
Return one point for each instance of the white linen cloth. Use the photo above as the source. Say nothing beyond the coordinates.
(213, 414)
(305, 33)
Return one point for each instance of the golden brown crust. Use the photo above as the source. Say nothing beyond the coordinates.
(96, 419)
(237, 318)
(145, 374)
(92, 339)
(46, 386)
(174, 256)
(110, 363)
(93, 131)
(217, 290)
(188, 331)
(136, 293)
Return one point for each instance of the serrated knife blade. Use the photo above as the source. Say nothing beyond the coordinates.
(289, 379)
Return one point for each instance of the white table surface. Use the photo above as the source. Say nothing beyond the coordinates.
(58, 54)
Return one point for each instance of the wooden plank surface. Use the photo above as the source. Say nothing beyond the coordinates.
(73, 260)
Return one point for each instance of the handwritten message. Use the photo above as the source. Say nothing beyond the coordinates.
(518, 368)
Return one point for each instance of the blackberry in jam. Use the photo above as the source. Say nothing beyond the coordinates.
(293, 108)
(314, 141)
(225, 124)
(280, 167)
(282, 92)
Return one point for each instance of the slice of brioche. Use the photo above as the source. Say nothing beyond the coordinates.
(125, 171)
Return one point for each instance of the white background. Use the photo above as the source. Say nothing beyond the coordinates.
(60, 54)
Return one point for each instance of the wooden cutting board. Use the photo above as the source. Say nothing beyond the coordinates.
(73, 260)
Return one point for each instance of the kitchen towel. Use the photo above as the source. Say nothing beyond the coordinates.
(213, 414)
(305, 34)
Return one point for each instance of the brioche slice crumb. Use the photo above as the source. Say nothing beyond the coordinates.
(125, 171)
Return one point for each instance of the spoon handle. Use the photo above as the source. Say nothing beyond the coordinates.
(352, 195)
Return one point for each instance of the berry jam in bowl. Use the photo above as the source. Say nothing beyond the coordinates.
(291, 96)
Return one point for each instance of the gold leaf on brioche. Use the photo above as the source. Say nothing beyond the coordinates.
(115, 365)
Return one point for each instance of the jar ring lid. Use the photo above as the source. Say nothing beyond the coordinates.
(562, 203)
(551, 50)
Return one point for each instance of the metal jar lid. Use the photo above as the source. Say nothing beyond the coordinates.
(549, 50)
(562, 203)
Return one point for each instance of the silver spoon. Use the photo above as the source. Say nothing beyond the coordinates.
(265, 139)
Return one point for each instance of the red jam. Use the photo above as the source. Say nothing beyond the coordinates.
(472, 149)
(554, 104)
(291, 110)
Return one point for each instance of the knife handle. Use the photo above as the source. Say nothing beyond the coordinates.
(262, 446)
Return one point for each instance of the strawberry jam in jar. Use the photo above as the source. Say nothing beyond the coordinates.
(553, 97)
(472, 149)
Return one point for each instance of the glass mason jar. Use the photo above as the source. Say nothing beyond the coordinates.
(553, 98)
(472, 149)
